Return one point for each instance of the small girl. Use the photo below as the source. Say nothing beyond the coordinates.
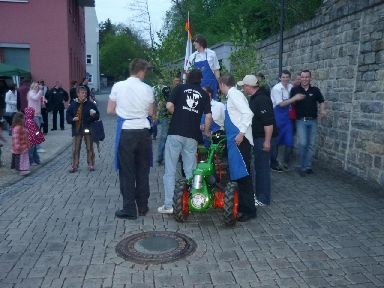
(20, 156)
(35, 137)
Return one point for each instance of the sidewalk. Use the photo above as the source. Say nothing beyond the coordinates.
(58, 229)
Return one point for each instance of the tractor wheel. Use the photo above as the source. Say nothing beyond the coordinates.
(181, 201)
(231, 204)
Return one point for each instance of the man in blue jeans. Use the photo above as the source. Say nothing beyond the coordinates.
(306, 121)
(188, 102)
(264, 132)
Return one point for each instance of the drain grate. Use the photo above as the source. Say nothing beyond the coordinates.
(155, 247)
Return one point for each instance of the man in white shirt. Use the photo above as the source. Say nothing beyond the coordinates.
(238, 128)
(206, 60)
(279, 95)
(133, 101)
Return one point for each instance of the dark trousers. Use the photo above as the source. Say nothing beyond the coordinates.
(246, 194)
(134, 157)
(54, 118)
(274, 153)
(44, 125)
(262, 172)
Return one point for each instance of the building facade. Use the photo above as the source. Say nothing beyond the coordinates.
(92, 47)
(44, 37)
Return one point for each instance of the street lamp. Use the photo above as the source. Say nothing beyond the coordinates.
(282, 15)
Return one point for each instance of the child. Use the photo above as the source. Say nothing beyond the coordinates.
(20, 157)
(35, 137)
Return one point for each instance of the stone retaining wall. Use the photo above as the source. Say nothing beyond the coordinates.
(344, 48)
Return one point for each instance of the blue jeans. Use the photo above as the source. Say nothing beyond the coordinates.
(306, 132)
(163, 125)
(174, 146)
(33, 155)
(262, 171)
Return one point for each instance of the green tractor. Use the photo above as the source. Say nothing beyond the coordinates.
(209, 186)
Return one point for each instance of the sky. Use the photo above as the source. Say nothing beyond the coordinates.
(119, 11)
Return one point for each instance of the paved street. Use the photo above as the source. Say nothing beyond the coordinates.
(58, 230)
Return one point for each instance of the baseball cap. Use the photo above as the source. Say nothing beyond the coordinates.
(249, 80)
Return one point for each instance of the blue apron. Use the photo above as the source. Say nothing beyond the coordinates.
(119, 127)
(237, 167)
(209, 78)
(285, 136)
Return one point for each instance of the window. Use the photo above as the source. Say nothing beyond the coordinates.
(89, 59)
(89, 77)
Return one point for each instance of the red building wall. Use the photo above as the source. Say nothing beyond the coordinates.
(55, 32)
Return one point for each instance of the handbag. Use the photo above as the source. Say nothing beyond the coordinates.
(97, 131)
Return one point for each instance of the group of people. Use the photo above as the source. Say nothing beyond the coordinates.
(254, 119)
(26, 112)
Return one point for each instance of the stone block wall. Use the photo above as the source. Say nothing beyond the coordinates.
(344, 48)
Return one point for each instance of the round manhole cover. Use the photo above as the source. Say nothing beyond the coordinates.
(155, 247)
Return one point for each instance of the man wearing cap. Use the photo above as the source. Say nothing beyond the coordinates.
(237, 124)
(306, 121)
(206, 60)
(263, 131)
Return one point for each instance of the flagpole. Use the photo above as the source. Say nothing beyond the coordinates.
(188, 49)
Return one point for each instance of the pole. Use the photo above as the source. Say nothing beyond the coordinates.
(282, 14)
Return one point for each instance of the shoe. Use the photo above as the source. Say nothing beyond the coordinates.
(53, 129)
(41, 150)
(124, 215)
(144, 211)
(245, 217)
(309, 171)
(258, 203)
(35, 164)
(72, 170)
(24, 173)
(285, 167)
(277, 169)
(91, 168)
(164, 210)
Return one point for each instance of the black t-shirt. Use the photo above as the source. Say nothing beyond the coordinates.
(262, 108)
(308, 106)
(190, 103)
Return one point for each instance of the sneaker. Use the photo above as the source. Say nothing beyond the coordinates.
(41, 150)
(164, 210)
(277, 169)
(285, 167)
(259, 203)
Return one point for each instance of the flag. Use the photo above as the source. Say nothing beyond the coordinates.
(188, 49)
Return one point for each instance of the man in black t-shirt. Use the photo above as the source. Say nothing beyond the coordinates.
(188, 102)
(264, 134)
(306, 121)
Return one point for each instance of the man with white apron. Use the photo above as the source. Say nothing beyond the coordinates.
(237, 123)
(205, 60)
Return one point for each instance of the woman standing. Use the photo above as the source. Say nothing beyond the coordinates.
(10, 105)
(81, 113)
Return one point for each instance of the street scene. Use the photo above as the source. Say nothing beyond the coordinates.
(217, 143)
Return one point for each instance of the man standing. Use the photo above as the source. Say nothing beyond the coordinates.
(237, 123)
(306, 122)
(56, 98)
(279, 94)
(264, 132)
(206, 60)
(133, 102)
(187, 104)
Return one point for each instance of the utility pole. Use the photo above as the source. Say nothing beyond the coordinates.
(282, 20)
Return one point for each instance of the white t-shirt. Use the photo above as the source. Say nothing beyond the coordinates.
(133, 99)
(218, 112)
(208, 55)
(240, 113)
(279, 93)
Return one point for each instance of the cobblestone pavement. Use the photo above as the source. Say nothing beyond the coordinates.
(58, 230)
